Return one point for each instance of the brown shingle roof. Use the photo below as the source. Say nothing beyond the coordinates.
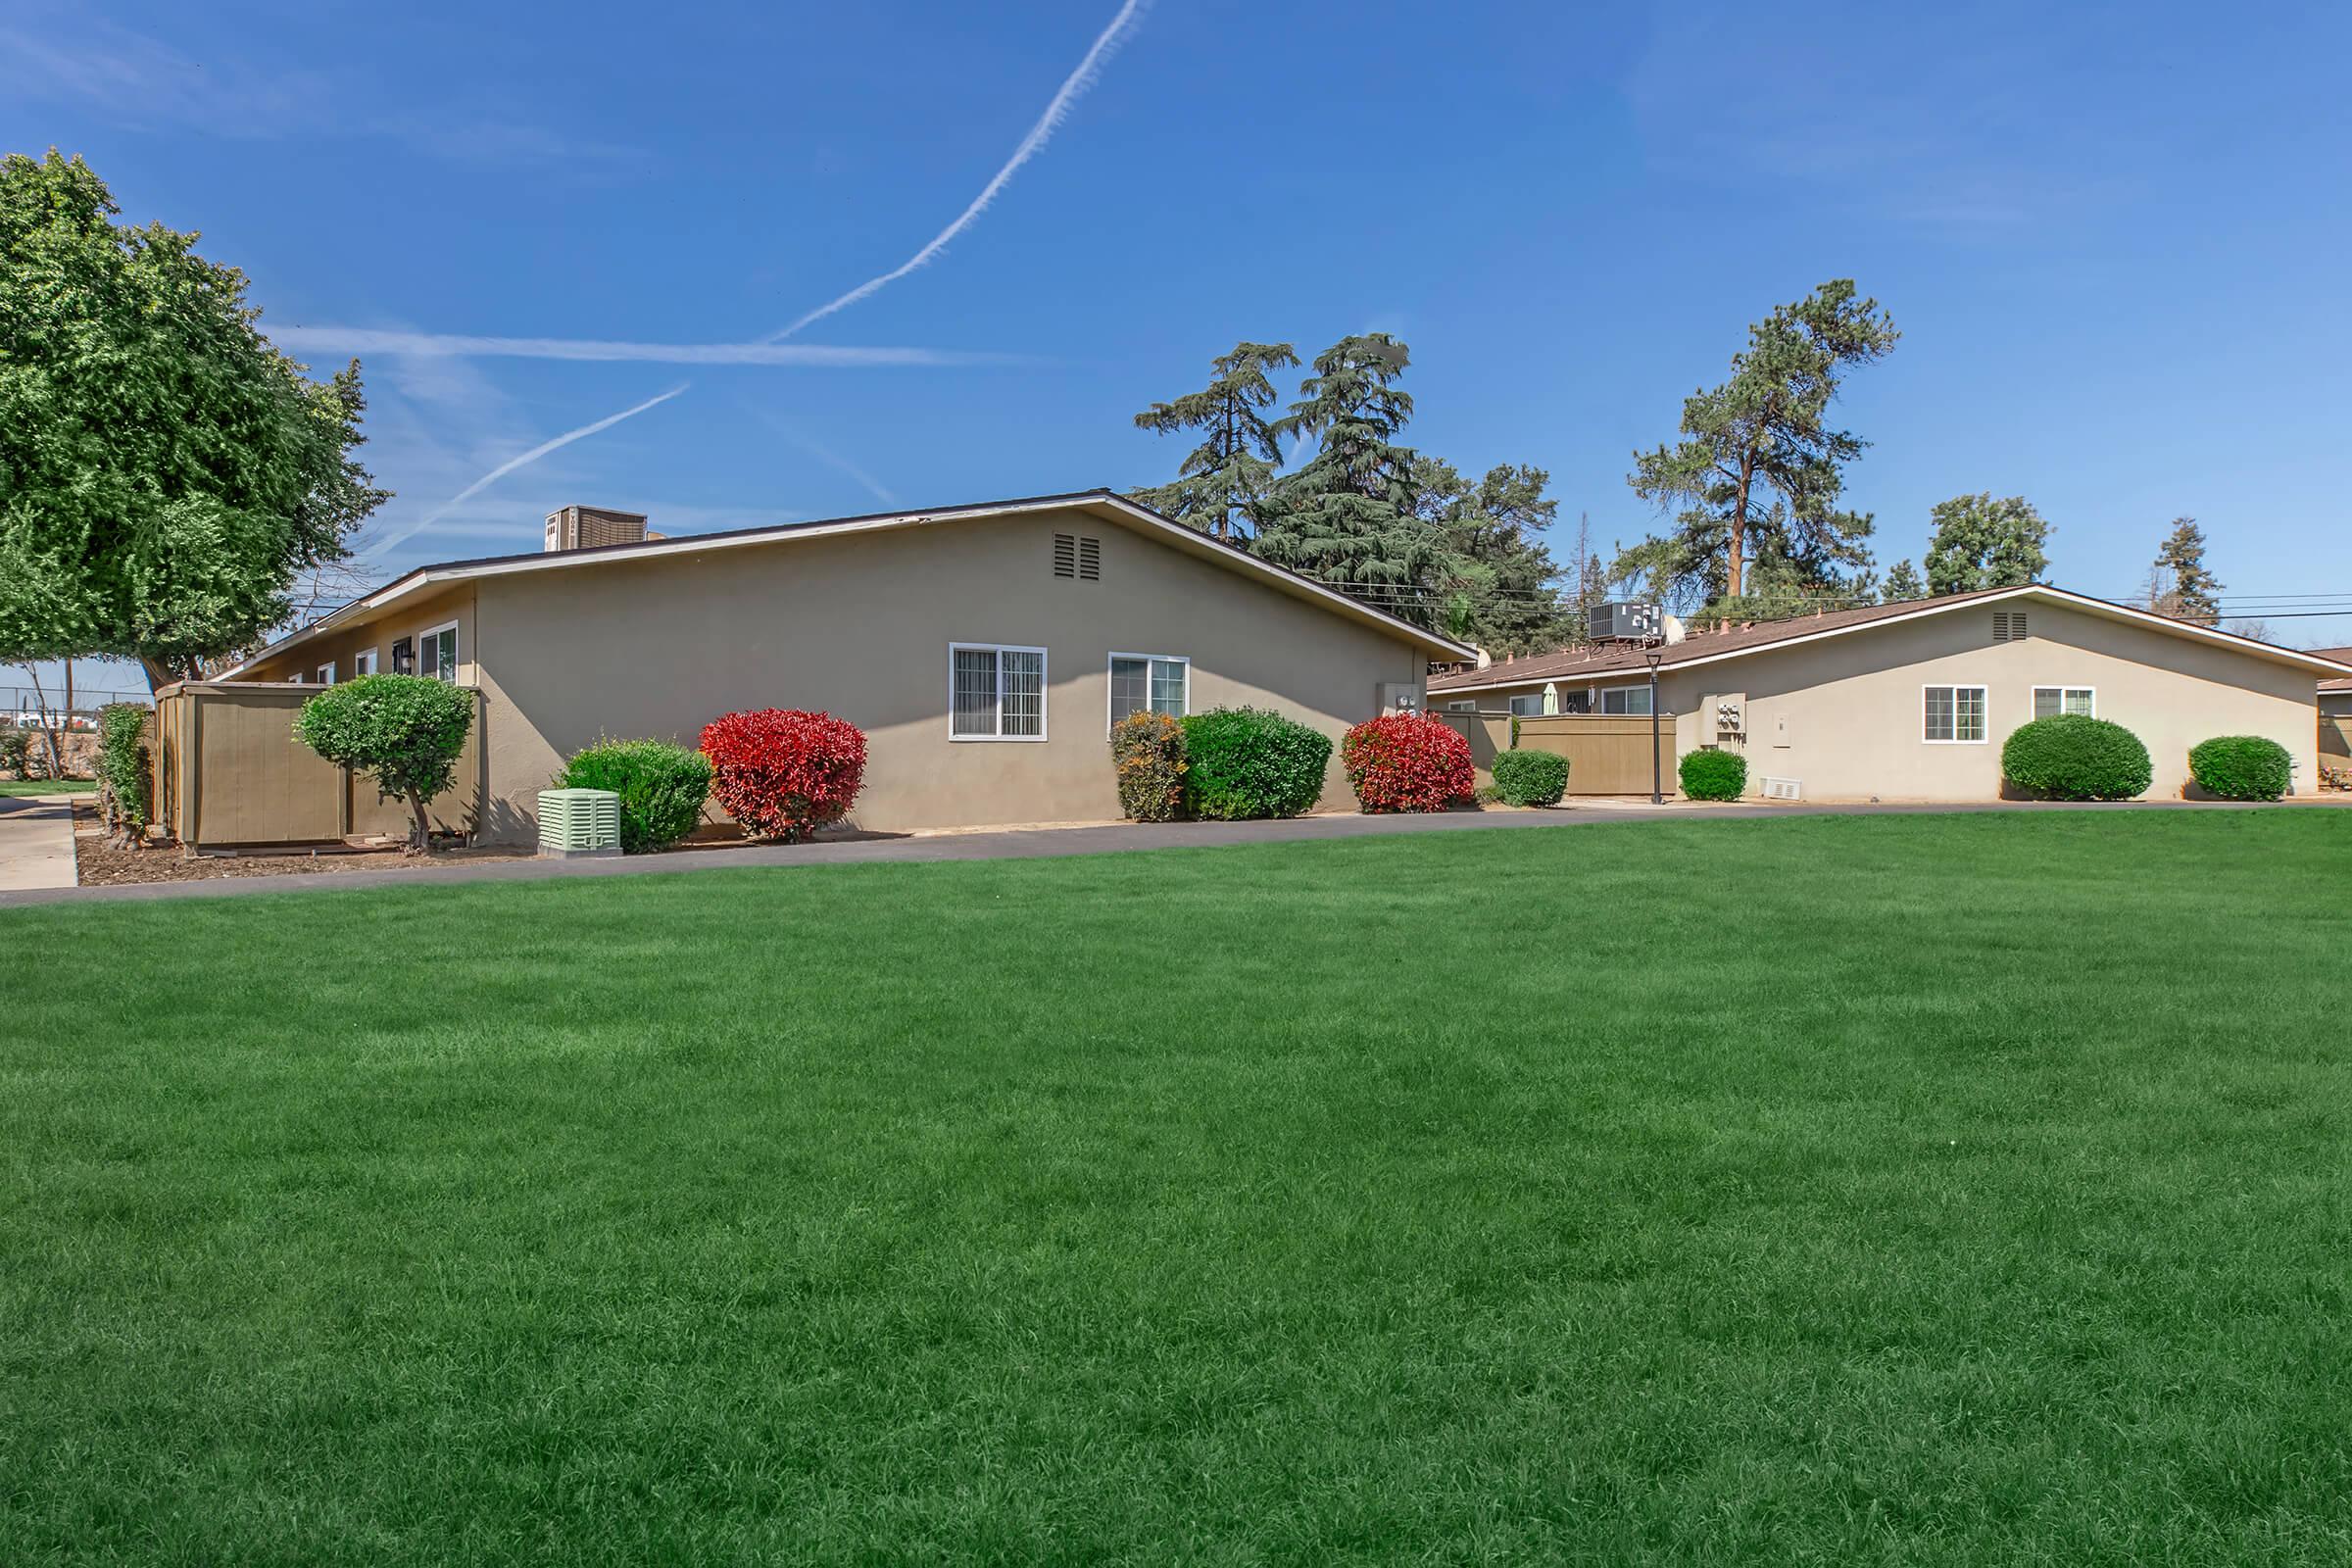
(2342, 656)
(1573, 662)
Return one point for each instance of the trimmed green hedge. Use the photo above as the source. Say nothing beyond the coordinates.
(1531, 778)
(1714, 775)
(661, 786)
(1250, 762)
(2072, 756)
(2241, 767)
(122, 767)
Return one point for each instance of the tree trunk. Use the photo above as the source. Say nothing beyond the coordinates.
(1734, 573)
(160, 674)
(424, 828)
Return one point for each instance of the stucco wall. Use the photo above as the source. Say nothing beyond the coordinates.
(860, 626)
(1842, 715)
(344, 643)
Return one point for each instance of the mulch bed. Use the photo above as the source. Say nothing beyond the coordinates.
(96, 864)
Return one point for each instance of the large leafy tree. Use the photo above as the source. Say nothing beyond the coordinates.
(2181, 587)
(1224, 482)
(1492, 563)
(1347, 516)
(1979, 542)
(166, 475)
(1759, 470)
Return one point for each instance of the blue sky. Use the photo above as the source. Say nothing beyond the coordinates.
(2114, 240)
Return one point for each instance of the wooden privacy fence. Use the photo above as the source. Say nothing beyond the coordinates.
(228, 772)
(1608, 754)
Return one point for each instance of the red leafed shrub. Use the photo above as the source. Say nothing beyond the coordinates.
(1407, 762)
(781, 772)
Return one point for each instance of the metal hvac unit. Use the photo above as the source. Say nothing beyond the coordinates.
(1617, 622)
(579, 823)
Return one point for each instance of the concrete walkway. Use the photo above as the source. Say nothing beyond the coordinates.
(36, 843)
(1042, 843)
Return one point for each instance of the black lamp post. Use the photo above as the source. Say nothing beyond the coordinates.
(1657, 777)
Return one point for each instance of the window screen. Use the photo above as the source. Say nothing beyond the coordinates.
(996, 693)
(1952, 713)
(2050, 701)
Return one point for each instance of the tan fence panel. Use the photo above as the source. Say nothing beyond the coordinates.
(1608, 754)
(229, 771)
(1487, 733)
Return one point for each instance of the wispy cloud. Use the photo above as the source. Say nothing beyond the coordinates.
(826, 455)
(374, 340)
(54, 54)
(381, 546)
(1073, 89)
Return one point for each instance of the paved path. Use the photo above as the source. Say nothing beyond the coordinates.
(36, 843)
(1040, 843)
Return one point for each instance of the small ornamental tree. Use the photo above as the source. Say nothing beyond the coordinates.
(781, 772)
(403, 732)
(661, 787)
(2241, 767)
(1249, 762)
(1714, 775)
(1148, 752)
(1407, 762)
(2072, 756)
(1529, 778)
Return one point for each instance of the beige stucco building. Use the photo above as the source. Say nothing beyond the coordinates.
(1911, 701)
(984, 649)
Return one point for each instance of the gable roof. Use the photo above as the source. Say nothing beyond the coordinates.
(1107, 505)
(2341, 656)
(1706, 648)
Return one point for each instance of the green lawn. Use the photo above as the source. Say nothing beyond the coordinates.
(46, 786)
(1886, 1190)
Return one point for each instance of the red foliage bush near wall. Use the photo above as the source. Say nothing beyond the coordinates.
(1407, 762)
(782, 773)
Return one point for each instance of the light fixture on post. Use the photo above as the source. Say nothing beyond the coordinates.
(1653, 655)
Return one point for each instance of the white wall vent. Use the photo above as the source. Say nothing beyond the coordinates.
(1783, 789)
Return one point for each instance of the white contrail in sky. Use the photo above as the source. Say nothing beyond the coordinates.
(376, 550)
(1073, 89)
(453, 345)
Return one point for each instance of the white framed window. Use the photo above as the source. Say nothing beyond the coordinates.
(1952, 716)
(437, 652)
(363, 663)
(996, 692)
(1462, 707)
(326, 673)
(1527, 705)
(1625, 700)
(1161, 683)
(2050, 701)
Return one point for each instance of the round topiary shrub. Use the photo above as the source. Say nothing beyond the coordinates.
(1531, 778)
(1714, 775)
(1148, 752)
(1407, 762)
(782, 773)
(2241, 767)
(403, 732)
(661, 786)
(1250, 762)
(2072, 756)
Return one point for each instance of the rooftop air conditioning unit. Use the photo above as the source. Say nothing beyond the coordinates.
(1626, 623)
(1783, 789)
(579, 823)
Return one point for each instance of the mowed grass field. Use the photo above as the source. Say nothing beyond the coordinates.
(1873, 1190)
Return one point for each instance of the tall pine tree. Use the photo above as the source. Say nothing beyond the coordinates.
(1492, 562)
(1902, 582)
(2180, 586)
(1979, 542)
(1347, 516)
(1759, 471)
(1224, 482)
